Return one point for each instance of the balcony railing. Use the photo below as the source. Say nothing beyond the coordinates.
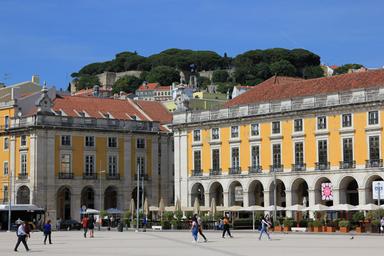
(347, 164)
(299, 167)
(197, 173)
(213, 172)
(276, 168)
(234, 170)
(90, 176)
(66, 175)
(371, 163)
(112, 176)
(322, 166)
(255, 169)
(22, 176)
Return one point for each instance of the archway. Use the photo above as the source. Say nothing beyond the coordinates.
(198, 192)
(110, 197)
(368, 190)
(64, 203)
(141, 196)
(236, 194)
(256, 193)
(23, 195)
(280, 193)
(88, 197)
(216, 191)
(349, 193)
(299, 192)
(318, 196)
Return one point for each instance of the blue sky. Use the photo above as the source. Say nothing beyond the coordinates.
(54, 38)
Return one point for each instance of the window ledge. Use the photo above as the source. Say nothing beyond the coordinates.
(276, 137)
(197, 144)
(298, 134)
(255, 138)
(373, 128)
(215, 142)
(321, 132)
(234, 140)
(347, 130)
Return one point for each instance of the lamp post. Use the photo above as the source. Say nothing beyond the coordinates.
(10, 202)
(274, 195)
(138, 197)
(101, 171)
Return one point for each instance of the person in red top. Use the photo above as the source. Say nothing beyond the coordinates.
(84, 222)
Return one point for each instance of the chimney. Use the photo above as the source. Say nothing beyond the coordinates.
(36, 79)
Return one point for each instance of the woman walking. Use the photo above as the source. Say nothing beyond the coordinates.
(47, 232)
(264, 228)
(226, 227)
(194, 229)
(84, 223)
(200, 223)
(91, 226)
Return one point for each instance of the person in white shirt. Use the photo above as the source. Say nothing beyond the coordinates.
(21, 236)
(264, 228)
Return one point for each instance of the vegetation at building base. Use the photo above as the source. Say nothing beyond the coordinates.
(345, 68)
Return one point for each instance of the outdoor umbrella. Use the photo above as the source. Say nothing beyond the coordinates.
(91, 211)
(253, 209)
(153, 208)
(272, 208)
(196, 206)
(177, 205)
(161, 207)
(114, 211)
(343, 207)
(213, 207)
(146, 208)
(169, 208)
(295, 208)
(317, 208)
(132, 208)
(367, 207)
(235, 208)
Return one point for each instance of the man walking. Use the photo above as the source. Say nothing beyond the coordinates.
(200, 223)
(264, 228)
(21, 237)
(226, 227)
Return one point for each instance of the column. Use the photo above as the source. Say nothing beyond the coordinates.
(311, 201)
(266, 200)
(75, 206)
(226, 198)
(206, 199)
(336, 196)
(127, 172)
(362, 196)
(288, 202)
(12, 169)
(245, 198)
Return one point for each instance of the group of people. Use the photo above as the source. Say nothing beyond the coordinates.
(88, 223)
(197, 228)
(23, 232)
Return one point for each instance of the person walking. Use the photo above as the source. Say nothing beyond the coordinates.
(194, 229)
(382, 225)
(226, 227)
(84, 223)
(264, 228)
(21, 237)
(91, 226)
(200, 224)
(47, 232)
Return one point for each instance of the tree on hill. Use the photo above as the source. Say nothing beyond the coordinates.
(283, 68)
(313, 72)
(220, 76)
(163, 75)
(126, 84)
(345, 68)
(87, 81)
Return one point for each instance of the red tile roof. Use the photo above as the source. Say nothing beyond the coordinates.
(146, 87)
(89, 92)
(155, 110)
(280, 88)
(163, 88)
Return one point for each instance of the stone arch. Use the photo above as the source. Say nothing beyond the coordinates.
(368, 189)
(280, 195)
(110, 197)
(256, 193)
(216, 191)
(63, 202)
(235, 193)
(299, 191)
(349, 191)
(141, 196)
(197, 191)
(88, 197)
(23, 195)
(317, 191)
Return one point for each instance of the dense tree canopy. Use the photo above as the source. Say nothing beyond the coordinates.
(87, 81)
(163, 75)
(220, 76)
(127, 84)
(344, 69)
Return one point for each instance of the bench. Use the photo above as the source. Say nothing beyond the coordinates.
(298, 229)
(159, 228)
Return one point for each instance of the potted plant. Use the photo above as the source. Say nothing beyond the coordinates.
(358, 219)
(277, 227)
(310, 226)
(344, 226)
(330, 227)
(317, 226)
(375, 226)
(288, 223)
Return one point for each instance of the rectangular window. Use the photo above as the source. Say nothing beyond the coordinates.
(322, 152)
(112, 165)
(6, 143)
(276, 127)
(23, 161)
(374, 148)
(298, 125)
(215, 134)
(196, 135)
(89, 141)
(321, 123)
(112, 142)
(276, 154)
(66, 140)
(140, 165)
(5, 168)
(235, 161)
(373, 117)
(89, 164)
(65, 163)
(234, 131)
(255, 130)
(299, 153)
(346, 120)
(140, 143)
(255, 156)
(6, 122)
(5, 193)
(347, 150)
(215, 159)
(197, 160)
(23, 140)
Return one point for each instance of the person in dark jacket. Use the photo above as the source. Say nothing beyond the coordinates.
(47, 232)
(21, 236)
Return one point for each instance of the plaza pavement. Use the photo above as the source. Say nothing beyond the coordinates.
(180, 244)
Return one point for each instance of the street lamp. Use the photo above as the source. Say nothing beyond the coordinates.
(101, 171)
(10, 202)
(274, 194)
(138, 197)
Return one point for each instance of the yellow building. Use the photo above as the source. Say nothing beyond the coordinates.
(62, 153)
(306, 133)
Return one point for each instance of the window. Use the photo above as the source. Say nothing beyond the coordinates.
(140, 143)
(197, 160)
(23, 161)
(5, 168)
(298, 125)
(276, 127)
(89, 141)
(112, 142)
(6, 143)
(299, 153)
(89, 164)
(322, 152)
(215, 159)
(235, 158)
(112, 165)
(255, 156)
(346, 120)
(373, 117)
(140, 165)
(215, 134)
(196, 135)
(23, 140)
(65, 163)
(321, 123)
(66, 140)
(5, 193)
(234, 131)
(374, 148)
(347, 150)
(6, 122)
(276, 154)
(255, 130)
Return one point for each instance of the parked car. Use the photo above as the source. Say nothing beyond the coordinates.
(70, 225)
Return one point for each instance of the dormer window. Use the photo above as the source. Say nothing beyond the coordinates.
(106, 115)
(59, 112)
(81, 113)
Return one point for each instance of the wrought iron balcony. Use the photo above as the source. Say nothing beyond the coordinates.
(90, 176)
(276, 168)
(22, 176)
(112, 176)
(255, 169)
(371, 163)
(197, 173)
(299, 167)
(322, 166)
(213, 172)
(66, 175)
(234, 170)
(347, 164)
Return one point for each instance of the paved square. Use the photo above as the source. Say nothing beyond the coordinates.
(180, 243)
